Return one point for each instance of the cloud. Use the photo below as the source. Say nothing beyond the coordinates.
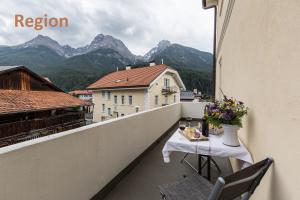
(139, 24)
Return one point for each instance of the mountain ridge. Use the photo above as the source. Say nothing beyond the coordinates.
(75, 68)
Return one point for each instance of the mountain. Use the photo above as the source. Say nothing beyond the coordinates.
(75, 68)
(179, 56)
(109, 42)
(162, 45)
(39, 58)
(100, 41)
(45, 41)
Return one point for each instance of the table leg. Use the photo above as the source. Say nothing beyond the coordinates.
(199, 164)
(208, 167)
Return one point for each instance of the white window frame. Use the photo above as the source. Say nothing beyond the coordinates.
(156, 100)
(166, 82)
(130, 100)
(115, 99)
(122, 99)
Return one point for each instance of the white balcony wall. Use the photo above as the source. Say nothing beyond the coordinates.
(76, 164)
(193, 109)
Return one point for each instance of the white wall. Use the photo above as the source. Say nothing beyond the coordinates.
(76, 164)
(260, 66)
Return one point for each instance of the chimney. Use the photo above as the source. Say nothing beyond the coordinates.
(152, 63)
(128, 67)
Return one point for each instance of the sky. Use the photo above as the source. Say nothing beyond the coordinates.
(139, 24)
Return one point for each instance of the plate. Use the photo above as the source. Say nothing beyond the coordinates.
(189, 133)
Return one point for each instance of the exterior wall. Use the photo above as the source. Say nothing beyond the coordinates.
(258, 62)
(143, 98)
(76, 164)
(20, 79)
(85, 97)
(156, 89)
(138, 99)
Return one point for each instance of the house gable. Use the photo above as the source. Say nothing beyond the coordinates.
(21, 78)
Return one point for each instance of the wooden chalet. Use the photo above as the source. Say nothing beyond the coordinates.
(31, 106)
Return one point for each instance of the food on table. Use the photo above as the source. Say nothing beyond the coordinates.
(197, 134)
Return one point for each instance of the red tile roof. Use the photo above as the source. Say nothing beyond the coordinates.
(138, 77)
(12, 101)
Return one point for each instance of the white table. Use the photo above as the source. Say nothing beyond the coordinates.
(212, 147)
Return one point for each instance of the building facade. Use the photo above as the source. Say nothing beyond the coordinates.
(257, 61)
(133, 90)
(85, 95)
(31, 106)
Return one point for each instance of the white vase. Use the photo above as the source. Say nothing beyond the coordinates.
(230, 136)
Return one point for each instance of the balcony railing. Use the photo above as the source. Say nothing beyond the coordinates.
(52, 124)
(168, 90)
(78, 163)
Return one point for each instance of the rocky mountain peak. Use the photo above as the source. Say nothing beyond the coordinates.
(162, 45)
(41, 40)
(107, 41)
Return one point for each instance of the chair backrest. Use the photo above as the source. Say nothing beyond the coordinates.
(242, 182)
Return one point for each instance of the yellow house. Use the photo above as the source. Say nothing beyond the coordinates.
(257, 58)
(132, 90)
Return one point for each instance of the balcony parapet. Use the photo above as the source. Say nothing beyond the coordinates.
(168, 90)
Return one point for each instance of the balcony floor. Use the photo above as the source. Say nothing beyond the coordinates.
(151, 171)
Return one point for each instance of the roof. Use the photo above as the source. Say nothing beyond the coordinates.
(6, 69)
(14, 101)
(187, 95)
(138, 77)
(78, 92)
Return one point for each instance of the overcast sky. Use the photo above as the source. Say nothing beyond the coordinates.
(139, 24)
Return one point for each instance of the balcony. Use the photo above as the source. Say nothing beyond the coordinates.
(168, 90)
(87, 162)
(14, 132)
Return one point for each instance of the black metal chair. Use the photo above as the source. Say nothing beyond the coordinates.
(242, 183)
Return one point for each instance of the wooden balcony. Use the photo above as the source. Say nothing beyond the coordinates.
(13, 132)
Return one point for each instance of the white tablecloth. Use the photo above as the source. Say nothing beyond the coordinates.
(212, 147)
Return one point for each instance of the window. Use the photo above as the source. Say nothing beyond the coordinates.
(116, 99)
(166, 99)
(167, 82)
(116, 114)
(122, 115)
(130, 100)
(174, 98)
(103, 107)
(108, 95)
(103, 94)
(136, 109)
(109, 111)
(123, 99)
(156, 100)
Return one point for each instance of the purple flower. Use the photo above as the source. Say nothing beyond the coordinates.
(228, 115)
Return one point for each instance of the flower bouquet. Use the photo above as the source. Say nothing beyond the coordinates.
(227, 113)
